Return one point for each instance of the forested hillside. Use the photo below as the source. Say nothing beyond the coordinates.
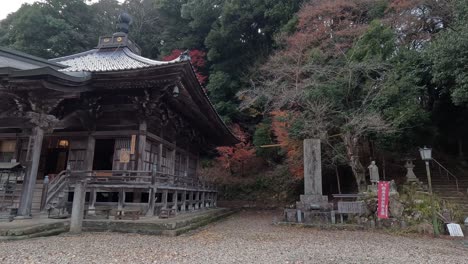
(374, 79)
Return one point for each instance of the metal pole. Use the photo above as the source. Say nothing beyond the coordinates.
(433, 210)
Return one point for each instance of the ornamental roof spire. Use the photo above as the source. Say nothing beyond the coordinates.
(123, 22)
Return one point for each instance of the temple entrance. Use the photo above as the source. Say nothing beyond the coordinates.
(103, 154)
(55, 154)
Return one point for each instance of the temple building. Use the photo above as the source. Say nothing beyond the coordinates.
(131, 128)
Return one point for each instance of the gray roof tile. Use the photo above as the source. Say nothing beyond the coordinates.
(101, 60)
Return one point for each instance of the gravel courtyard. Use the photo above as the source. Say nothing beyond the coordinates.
(247, 237)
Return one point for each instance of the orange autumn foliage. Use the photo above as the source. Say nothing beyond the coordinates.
(234, 158)
(281, 120)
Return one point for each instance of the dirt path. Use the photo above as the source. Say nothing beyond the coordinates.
(247, 237)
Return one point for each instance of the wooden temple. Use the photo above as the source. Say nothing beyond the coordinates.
(129, 128)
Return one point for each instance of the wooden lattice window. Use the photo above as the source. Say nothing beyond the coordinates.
(151, 155)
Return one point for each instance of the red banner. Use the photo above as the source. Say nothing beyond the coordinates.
(383, 194)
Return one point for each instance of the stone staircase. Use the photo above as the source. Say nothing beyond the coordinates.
(445, 186)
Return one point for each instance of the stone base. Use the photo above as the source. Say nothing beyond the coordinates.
(312, 202)
(316, 217)
(22, 217)
(412, 179)
(314, 198)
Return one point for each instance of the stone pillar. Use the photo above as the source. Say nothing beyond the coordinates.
(29, 183)
(312, 172)
(312, 167)
(76, 221)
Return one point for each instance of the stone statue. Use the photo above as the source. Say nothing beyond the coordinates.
(374, 172)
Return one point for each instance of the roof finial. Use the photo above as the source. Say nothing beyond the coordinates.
(123, 22)
(185, 56)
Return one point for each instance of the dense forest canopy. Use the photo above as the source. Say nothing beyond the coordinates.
(365, 76)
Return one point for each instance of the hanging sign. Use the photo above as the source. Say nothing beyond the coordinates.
(383, 192)
(124, 156)
(132, 144)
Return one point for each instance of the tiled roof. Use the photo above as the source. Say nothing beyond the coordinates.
(100, 60)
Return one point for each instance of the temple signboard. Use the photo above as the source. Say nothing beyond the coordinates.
(383, 191)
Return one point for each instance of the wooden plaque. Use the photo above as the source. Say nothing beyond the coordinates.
(124, 156)
(132, 144)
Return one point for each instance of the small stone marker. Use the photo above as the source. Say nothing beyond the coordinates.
(455, 230)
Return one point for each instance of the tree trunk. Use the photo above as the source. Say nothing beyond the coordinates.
(352, 153)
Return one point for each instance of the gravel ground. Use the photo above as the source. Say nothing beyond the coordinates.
(247, 237)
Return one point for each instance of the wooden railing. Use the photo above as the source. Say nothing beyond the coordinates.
(138, 178)
(122, 179)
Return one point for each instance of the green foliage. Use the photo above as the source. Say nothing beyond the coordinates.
(263, 136)
(449, 57)
(271, 187)
(50, 28)
(378, 43)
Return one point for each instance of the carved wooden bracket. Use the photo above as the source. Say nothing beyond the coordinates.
(36, 108)
(90, 111)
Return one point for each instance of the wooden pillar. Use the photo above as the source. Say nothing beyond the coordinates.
(89, 160)
(175, 200)
(187, 165)
(76, 221)
(29, 183)
(141, 146)
(215, 199)
(173, 157)
(197, 200)
(203, 200)
(164, 199)
(92, 200)
(189, 202)
(152, 192)
(161, 146)
(121, 203)
(141, 152)
(184, 201)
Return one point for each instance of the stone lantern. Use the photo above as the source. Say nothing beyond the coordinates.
(410, 176)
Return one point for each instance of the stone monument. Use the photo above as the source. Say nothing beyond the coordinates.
(313, 195)
(313, 206)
